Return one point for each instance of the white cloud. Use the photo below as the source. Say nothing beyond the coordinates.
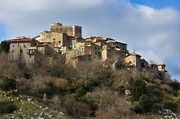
(83, 3)
(152, 32)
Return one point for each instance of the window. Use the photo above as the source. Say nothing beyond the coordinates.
(30, 51)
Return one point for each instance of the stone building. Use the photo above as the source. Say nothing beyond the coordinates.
(83, 51)
(69, 30)
(161, 67)
(100, 41)
(48, 44)
(111, 43)
(18, 49)
(113, 50)
(133, 60)
(44, 52)
(27, 51)
(60, 36)
(57, 39)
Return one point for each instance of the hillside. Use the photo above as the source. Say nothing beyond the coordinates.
(90, 90)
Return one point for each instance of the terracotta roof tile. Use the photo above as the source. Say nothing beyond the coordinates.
(21, 39)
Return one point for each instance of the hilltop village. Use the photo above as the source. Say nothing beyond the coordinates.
(58, 74)
(66, 44)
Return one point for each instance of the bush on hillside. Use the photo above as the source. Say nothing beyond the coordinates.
(145, 103)
(170, 103)
(7, 84)
(138, 88)
(4, 46)
(77, 109)
(7, 107)
(175, 85)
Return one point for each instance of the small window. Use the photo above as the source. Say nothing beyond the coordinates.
(30, 51)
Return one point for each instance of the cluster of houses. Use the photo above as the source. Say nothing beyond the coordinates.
(67, 42)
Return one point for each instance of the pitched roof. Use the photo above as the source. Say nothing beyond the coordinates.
(20, 39)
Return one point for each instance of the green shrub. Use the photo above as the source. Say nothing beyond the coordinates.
(137, 109)
(80, 91)
(4, 47)
(7, 107)
(145, 103)
(7, 84)
(175, 85)
(170, 103)
(138, 88)
(88, 101)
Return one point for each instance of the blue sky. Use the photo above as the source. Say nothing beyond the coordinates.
(158, 3)
(2, 32)
(151, 27)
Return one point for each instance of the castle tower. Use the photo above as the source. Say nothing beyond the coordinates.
(54, 27)
(69, 30)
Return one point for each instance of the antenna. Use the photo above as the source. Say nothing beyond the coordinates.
(134, 52)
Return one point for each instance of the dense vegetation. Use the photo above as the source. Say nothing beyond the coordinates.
(4, 46)
(89, 89)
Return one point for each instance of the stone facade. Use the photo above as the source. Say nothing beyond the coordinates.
(69, 30)
(18, 49)
(161, 67)
(57, 39)
(109, 48)
(133, 60)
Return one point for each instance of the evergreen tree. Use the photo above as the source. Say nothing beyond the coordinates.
(4, 46)
(138, 88)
